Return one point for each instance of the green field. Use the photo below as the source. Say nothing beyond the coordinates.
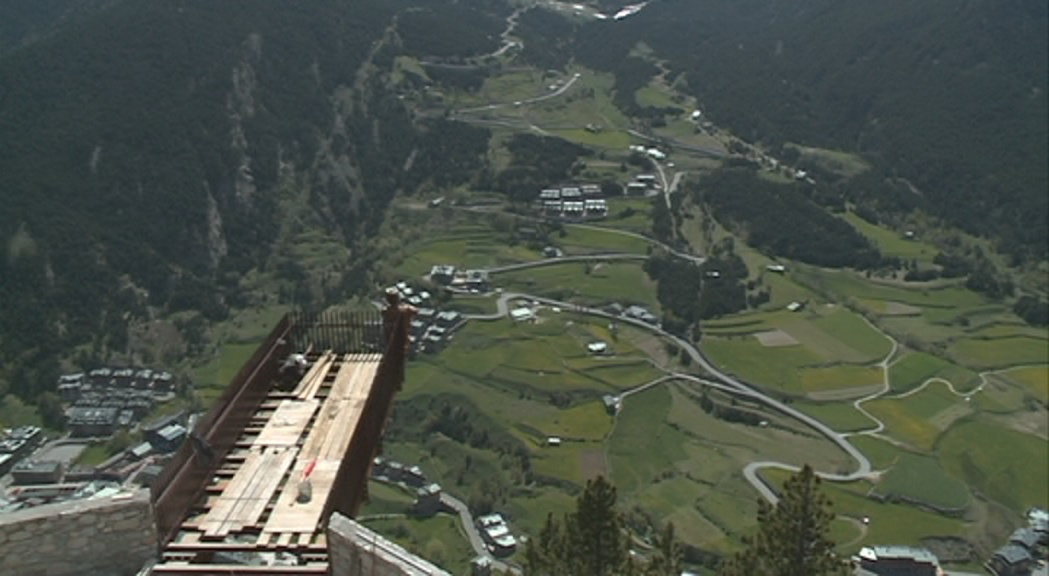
(920, 418)
(779, 367)
(1034, 379)
(439, 540)
(892, 243)
(580, 240)
(840, 377)
(746, 323)
(641, 447)
(1001, 463)
(212, 378)
(832, 344)
(585, 283)
(386, 499)
(467, 246)
(851, 330)
(836, 161)
(980, 354)
(897, 523)
(631, 214)
(847, 284)
(881, 453)
(840, 416)
(914, 368)
(921, 479)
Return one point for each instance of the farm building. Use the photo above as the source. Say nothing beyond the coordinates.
(522, 314)
(899, 560)
(442, 273)
(1011, 560)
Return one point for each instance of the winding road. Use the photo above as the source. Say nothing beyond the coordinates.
(728, 384)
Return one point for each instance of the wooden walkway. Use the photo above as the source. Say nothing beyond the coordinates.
(253, 503)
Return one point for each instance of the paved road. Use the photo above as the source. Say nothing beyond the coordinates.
(564, 259)
(553, 94)
(701, 150)
(666, 248)
(863, 469)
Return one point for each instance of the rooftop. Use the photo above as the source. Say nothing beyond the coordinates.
(875, 553)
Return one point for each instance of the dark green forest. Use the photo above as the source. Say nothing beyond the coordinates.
(950, 96)
(143, 146)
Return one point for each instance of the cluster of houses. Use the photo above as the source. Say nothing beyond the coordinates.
(430, 329)
(1025, 547)
(157, 382)
(492, 528)
(633, 312)
(473, 281)
(573, 202)
(651, 152)
(427, 494)
(17, 444)
(417, 298)
(496, 535)
(105, 399)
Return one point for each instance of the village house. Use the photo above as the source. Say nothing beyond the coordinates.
(1011, 560)
(597, 348)
(427, 500)
(898, 560)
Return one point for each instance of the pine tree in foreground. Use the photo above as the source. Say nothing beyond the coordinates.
(591, 541)
(792, 535)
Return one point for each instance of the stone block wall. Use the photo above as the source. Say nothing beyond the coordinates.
(354, 550)
(106, 537)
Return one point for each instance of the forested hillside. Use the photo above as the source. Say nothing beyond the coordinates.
(950, 96)
(154, 152)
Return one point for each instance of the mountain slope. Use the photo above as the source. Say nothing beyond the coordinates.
(949, 95)
(151, 153)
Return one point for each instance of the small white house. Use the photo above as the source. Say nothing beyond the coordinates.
(656, 154)
(553, 441)
(522, 314)
(597, 348)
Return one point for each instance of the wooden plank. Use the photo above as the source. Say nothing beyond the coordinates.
(289, 515)
(317, 371)
(248, 493)
(286, 426)
(325, 446)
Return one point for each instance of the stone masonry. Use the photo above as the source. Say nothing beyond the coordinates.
(106, 537)
(353, 550)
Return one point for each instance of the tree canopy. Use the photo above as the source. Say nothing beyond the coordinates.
(792, 535)
(591, 541)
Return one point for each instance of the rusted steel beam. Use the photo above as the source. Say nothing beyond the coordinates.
(351, 480)
(210, 547)
(239, 569)
(187, 474)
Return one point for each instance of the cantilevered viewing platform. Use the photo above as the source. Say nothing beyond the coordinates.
(252, 491)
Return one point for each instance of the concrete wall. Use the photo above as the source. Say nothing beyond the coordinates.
(106, 537)
(353, 550)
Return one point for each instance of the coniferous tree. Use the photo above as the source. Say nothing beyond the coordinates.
(591, 541)
(792, 535)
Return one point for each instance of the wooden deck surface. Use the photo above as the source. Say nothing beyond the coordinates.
(324, 447)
